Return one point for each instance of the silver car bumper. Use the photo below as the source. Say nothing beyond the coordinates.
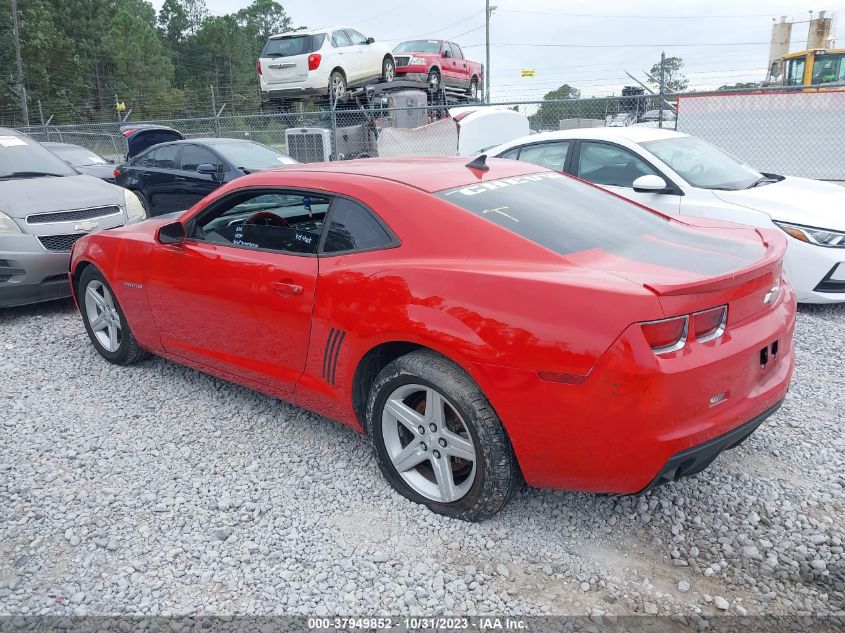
(29, 273)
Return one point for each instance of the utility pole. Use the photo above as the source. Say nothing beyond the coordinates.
(662, 88)
(488, 12)
(20, 82)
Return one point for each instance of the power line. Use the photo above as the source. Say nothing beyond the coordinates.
(676, 45)
(636, 17)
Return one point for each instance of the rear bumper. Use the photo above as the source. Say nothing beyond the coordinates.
(695, 459)
(292, 93)
(616, 431)
(29, 273)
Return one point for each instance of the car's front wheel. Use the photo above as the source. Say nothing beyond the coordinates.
(388, 70)
(439, 441)
(104, 320)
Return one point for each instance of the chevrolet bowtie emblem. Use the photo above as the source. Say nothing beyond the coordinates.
(87, 225)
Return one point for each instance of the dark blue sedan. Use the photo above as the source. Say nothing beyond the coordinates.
(172, 176)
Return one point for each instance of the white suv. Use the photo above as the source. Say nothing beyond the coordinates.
(319, 63)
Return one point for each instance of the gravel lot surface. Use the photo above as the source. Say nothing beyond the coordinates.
(156, 489)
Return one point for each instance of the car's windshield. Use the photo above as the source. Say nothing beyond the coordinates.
(418, 46)
(252, 156)
(567, 216)
(703, 165)
(291, 45)
(22, 156)
(79, 156)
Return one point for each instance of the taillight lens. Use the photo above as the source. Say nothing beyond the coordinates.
(314, 61)
(258, 66)
(666, 335)
(709, 324)
(116, 173)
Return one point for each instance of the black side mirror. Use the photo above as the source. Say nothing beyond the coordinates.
(207, 168)
(447, 54)
(173, 233)
(371, 40)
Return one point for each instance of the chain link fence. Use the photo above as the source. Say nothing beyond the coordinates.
(796, 133)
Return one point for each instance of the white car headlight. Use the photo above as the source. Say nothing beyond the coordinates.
(812, 235)
(135, 211)
(417, 61)
(8, 225)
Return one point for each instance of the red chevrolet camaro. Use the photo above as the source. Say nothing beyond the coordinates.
(483, 323)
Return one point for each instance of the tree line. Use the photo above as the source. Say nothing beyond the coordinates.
(81, 58)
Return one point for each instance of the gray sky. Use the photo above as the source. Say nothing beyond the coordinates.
(676, 27)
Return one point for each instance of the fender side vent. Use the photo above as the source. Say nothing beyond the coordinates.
(331, 354)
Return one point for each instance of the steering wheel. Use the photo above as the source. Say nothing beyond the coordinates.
(266, 218)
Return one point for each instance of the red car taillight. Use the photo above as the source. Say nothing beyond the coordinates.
(666, 335)
(709, 324)
(258, 66)
(314, 61)
(116, 172)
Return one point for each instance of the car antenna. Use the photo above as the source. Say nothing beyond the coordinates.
(479, 163)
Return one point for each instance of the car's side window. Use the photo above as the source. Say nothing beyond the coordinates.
(605, 164)
(457, 53)
(165, 157)
(551, 155)
(355, 37)
(339, 39)
(352, 227)
(145, 160)
(195, 155)
(278, 220)
(512, 154)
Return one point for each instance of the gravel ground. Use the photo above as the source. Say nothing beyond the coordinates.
(156, 489)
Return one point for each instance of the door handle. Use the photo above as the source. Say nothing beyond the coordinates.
(287, 288)
(179, 179)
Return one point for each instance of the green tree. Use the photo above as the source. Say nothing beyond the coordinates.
(173, 20)
(143, 81)
(673, 78)
(549, 113)
(263, 18)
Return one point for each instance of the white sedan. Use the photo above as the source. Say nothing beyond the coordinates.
(678, 174)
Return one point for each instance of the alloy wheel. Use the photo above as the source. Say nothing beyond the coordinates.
(338, 86)
(389, 71)
(428, 443)
(103, 316)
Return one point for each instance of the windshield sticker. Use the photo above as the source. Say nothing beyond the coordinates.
(492, 185)
(12, 141)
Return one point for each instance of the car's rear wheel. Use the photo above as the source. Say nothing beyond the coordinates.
(104, 320)
(473, 89)
(388, 70)
(439, 441)
(337, 85)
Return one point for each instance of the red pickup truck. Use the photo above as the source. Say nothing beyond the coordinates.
(439, 62)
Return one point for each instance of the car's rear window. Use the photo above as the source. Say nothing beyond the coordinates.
(291, 45)
(568, 216)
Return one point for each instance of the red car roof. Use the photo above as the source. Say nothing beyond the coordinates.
(429, 173)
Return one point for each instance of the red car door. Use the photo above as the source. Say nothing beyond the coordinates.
(237, 295)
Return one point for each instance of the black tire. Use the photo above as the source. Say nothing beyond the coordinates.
(434, 80)
(144, 202)
(388, 70)
(337, 86)
(497, 473)
(472, 91)
(128, 352)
